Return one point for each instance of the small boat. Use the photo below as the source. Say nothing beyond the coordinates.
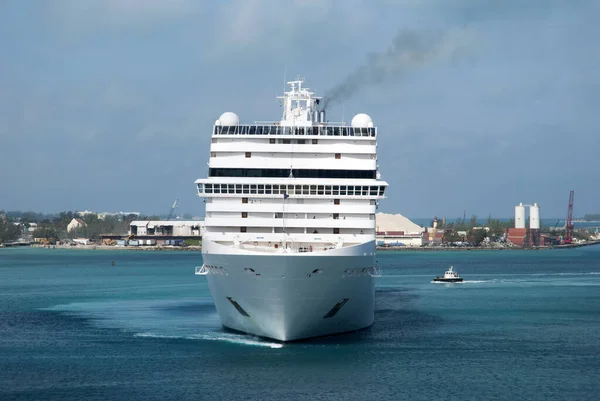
(450, 276)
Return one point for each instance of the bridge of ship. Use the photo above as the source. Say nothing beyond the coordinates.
(272, 129)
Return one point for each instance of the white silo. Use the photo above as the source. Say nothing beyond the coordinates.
(520, 216)
(534, 216)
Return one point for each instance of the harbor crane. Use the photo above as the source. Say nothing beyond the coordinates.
(569, 222)
(172, 210)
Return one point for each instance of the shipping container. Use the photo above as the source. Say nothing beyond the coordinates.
(133, 242)
(121, 242)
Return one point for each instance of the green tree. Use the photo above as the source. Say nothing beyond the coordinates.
(47, 232)
(451, 236)
(9, 231)
(477, 236)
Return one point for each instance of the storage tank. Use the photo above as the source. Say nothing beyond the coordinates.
(534, 217)
(520, 216)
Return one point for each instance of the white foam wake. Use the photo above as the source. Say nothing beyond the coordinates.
(230, 338)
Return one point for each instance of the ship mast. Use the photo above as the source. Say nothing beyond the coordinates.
(299, 106)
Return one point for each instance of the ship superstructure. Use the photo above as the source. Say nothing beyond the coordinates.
(289, 241)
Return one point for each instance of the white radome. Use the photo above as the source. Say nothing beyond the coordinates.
(362, 120)
(228, 118)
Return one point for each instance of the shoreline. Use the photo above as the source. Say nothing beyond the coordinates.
(192, 248)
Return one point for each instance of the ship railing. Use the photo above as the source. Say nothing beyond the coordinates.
(294, 131)
(201, 270)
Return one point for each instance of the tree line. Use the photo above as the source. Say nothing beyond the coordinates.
(13, 225)
(475, 233)
(8, 230)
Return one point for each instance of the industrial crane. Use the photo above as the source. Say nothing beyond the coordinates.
(172, 210)
(569, 222)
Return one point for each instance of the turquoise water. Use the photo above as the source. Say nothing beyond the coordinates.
(524, 326)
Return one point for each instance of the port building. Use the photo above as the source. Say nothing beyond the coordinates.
(396, 230)
(523, 234)
(167, 228)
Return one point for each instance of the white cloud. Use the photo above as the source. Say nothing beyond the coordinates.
(87, 15)
(276, 24)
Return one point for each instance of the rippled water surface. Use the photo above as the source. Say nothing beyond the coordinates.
(523, 326)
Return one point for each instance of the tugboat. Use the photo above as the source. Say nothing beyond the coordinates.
(450, 276)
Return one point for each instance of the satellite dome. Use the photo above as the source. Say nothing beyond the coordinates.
(362, 121)
(229, 118)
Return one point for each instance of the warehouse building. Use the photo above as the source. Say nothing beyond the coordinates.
(397, 230)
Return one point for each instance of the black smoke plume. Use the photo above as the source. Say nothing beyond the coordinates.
(408, 51)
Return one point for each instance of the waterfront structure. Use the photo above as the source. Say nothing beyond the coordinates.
(74, 224)
(524, 236)
(397, 230)
(289, 242)
(166, 228)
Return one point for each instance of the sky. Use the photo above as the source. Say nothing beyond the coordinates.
(108, 105)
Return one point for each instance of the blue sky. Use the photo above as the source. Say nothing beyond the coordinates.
(108, 105)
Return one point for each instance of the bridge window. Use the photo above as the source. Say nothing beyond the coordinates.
(242, 229)
(244, 200)
(336, 201)
(338, 155)
(297, 173)
(272, 140)
(315, 141)
(248, 154)
(244, 215)
(336, 230)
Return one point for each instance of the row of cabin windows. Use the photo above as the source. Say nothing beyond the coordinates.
(277, 130)
(335, 230)
(249, 155)
(336, 216)
(268, 189)
(290, 141)
(296, 173)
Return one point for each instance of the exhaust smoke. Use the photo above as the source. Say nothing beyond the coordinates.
(408, 51)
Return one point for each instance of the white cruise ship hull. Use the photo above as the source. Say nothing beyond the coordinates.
(295, 296)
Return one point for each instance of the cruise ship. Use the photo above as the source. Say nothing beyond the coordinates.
(289, 244)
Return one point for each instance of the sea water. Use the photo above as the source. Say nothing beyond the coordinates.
(525, 325)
